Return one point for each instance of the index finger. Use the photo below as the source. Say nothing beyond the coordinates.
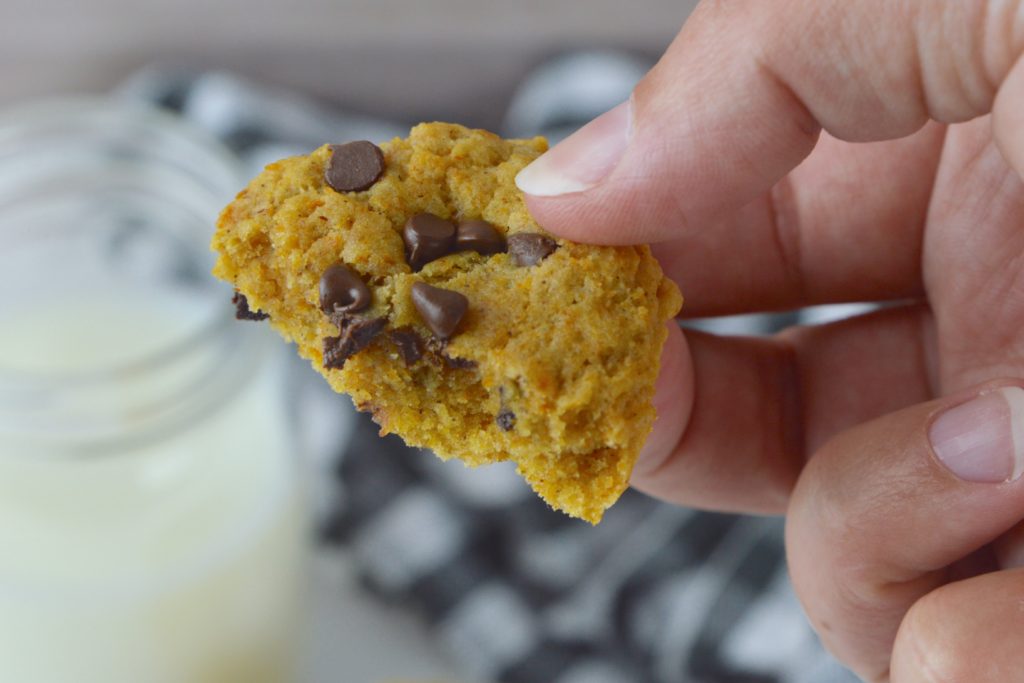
(846, 225)
(740, 97)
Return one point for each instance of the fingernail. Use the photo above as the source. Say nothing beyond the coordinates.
(983, 440)
(583, 159)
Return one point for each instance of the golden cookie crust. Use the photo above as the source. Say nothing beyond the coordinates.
(570, 345)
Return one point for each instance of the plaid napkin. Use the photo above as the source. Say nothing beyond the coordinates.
(517, 592)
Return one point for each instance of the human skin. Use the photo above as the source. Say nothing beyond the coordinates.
(787, 153)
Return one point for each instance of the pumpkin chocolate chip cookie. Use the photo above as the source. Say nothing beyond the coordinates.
(413, 278)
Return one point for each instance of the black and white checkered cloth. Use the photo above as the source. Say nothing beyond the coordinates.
(519, 593)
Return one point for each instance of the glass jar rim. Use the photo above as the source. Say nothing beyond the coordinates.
(93, 110)
(197, 156)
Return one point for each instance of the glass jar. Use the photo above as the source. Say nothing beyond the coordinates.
(151, 524)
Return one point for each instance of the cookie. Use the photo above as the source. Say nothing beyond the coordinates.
(414, 279)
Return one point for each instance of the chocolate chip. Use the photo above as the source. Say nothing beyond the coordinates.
(409, 344)
(242, 310)
(342, 291)
(354, 166)
(441, 309)
(506, 419)
(479, 236)
(356, 334)
(427, 237)
(530, 248)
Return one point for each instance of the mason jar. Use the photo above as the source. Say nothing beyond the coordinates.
(152, 527)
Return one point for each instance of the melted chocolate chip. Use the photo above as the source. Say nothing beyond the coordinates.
(341, 291)
(479, 236)
(441, 309)
(427, 237)
(356, 334)
(530, 248)
(354, 166)
(242, 310)
(506, 419)
(439, 347)
(335, 353)
(409, 344)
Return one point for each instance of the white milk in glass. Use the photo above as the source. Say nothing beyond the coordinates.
(151, 526)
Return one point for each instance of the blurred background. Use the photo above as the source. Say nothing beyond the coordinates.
(454, 60)
(182, 500)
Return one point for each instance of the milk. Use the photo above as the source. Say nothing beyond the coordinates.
(172, 556)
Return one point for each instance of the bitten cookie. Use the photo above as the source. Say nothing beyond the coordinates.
(413, 278)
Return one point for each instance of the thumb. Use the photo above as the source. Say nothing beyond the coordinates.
(739, 99)
(893, 509)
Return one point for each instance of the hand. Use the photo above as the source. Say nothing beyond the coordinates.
(720, 159)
